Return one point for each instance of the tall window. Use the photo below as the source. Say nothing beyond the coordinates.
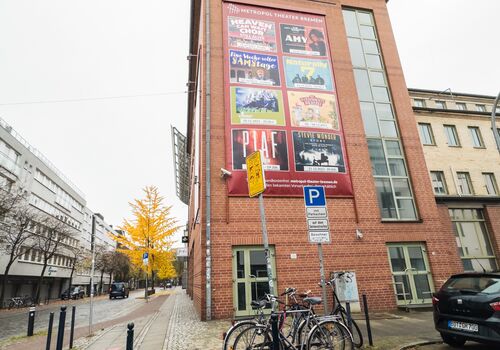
(418, 102)
(477, 140)
(9, 158)
(451, 135)
(392, 183)
(440, 104)
(490, 183)
(464, 183)
(426, 134)
(473, 241)
(481, 108)
(438, 182)
(461, 106)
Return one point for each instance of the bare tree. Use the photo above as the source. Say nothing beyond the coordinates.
(101, 263)
(119, 266)
(79, 256)
(50, 240)
(16, 231)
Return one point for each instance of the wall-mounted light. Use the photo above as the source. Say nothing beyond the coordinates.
(359, 234)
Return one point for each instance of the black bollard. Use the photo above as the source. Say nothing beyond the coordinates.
(367, 317)
(130, 336)
(348, 312)
(72, 329)
(49, 331)
(60, 330)
(275, 331)
(31, 321)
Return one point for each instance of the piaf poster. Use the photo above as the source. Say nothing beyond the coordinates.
(280, 99)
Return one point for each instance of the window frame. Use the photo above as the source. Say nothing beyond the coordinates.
(455, 134)
(468, 181)
(442, 103)
(491, 176)
(461, 106)
(443, 181)
(418, 101)
(480, 107)
(428, 126)
(478, 134)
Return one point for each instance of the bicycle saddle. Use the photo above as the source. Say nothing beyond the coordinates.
(258, 304)
(313, 300)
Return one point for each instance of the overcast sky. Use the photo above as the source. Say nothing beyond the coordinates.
(111, 148)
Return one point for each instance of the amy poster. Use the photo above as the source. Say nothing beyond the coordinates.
(313, 110)
(272, 143)
(318, 152)
(257, 106)
(253, 68)
(302, 40)
(251, 34)
(305, 73)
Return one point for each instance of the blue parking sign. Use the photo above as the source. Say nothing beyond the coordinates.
(145, 256)
(314, 196)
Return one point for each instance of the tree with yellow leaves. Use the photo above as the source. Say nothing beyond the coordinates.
(149, 231)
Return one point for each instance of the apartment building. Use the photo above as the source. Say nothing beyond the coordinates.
(464, 168)
(48, 190)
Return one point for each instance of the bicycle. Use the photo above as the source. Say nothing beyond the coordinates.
(339, 310)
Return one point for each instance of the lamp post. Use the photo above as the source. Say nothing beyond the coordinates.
(493, 124)
(92, 248)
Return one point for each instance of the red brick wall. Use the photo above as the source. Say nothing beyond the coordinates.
(492, 216)
(285, 216)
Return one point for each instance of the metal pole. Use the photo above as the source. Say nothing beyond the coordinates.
(348, 312)
(275, 331)
(146, 287)
(49, 331)
(72, 329)
(367, 317)
(60, 329)
(266, 244)
(322, 275)
(92, 247)
(493, 123)
(31, 321)
(130, 336)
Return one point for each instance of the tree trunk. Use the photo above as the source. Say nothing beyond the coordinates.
(39, 285)
(71, 276)
(4, 282)
(110, 277)
(100, 283)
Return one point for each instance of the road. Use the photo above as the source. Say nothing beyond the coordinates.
(15, 322)
(468, 346)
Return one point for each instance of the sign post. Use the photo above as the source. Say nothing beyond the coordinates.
(256, 186)
(145, 261)
(318, 227)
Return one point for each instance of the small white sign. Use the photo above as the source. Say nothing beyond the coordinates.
(319, 236)
(316, 213)
(318, 225)
(182, 252)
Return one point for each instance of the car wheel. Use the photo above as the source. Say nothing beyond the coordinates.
(455, 341)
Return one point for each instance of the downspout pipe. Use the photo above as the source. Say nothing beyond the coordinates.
(208, 261)
(493, 122)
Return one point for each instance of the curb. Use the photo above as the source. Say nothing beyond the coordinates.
(421, 343)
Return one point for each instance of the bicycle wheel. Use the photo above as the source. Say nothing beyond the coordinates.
(234, 331)
(331, 335)
(11, 304)
(357, 336)
(255, 337)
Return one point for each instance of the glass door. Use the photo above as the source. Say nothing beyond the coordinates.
(412, 278)
(250, 277)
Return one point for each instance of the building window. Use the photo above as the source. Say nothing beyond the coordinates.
(440, 104)
(5, 184)
(451, 135)
(481, 108)
(461, 106)
(438, 182)
(418, 102)
(473, 242)
(464, 183)
(426, 134)
(389, 170)
(490, 184)
(9, 159)
(477, 140)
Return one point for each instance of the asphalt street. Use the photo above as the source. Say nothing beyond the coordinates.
(468, 346)
(15, 322)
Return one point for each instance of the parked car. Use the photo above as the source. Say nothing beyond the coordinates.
(467, 307)
(73, 293)
(168, 285)
(119, 289)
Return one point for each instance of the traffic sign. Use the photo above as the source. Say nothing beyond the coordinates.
(319, 236)
(255, 174)
(185, 239)
(316, 213)
(314, 196)
(318, 224)
(145, 258)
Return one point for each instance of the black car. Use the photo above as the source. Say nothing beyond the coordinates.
(119, 289)
(467, 307)
(73, 293)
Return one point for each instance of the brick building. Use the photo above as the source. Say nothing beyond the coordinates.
(318, 87)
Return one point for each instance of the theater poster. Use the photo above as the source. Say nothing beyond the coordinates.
(280, 98)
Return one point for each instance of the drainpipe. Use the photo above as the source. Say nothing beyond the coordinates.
(493, 124)
(208, 262)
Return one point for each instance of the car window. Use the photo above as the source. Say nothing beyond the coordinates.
(116, 286)
(478, 284)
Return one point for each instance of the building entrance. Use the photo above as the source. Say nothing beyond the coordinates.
(411, 275)
(250, 277)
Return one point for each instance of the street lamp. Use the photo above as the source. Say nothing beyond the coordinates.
(493, 124)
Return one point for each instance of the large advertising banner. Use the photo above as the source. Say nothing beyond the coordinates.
(280, 99)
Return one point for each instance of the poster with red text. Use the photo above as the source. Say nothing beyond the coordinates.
(280, 98)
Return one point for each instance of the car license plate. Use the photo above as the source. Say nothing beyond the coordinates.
(463, 326)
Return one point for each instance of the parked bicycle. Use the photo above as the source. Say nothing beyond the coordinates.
(18, 302)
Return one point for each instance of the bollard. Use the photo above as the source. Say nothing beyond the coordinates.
(49, 331)
(31, 321)
(72, 329)
(130, 336)
(275, 331)
(348, 312)
(367, 317)
(60, 330)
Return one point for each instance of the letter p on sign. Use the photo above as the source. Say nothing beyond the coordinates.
(314, 196)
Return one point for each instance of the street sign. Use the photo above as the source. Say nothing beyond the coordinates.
(255, 174)
(314, 196)
(316, 214)
(185, 239)
(182, 252)
(145, 258)
(318, 224)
